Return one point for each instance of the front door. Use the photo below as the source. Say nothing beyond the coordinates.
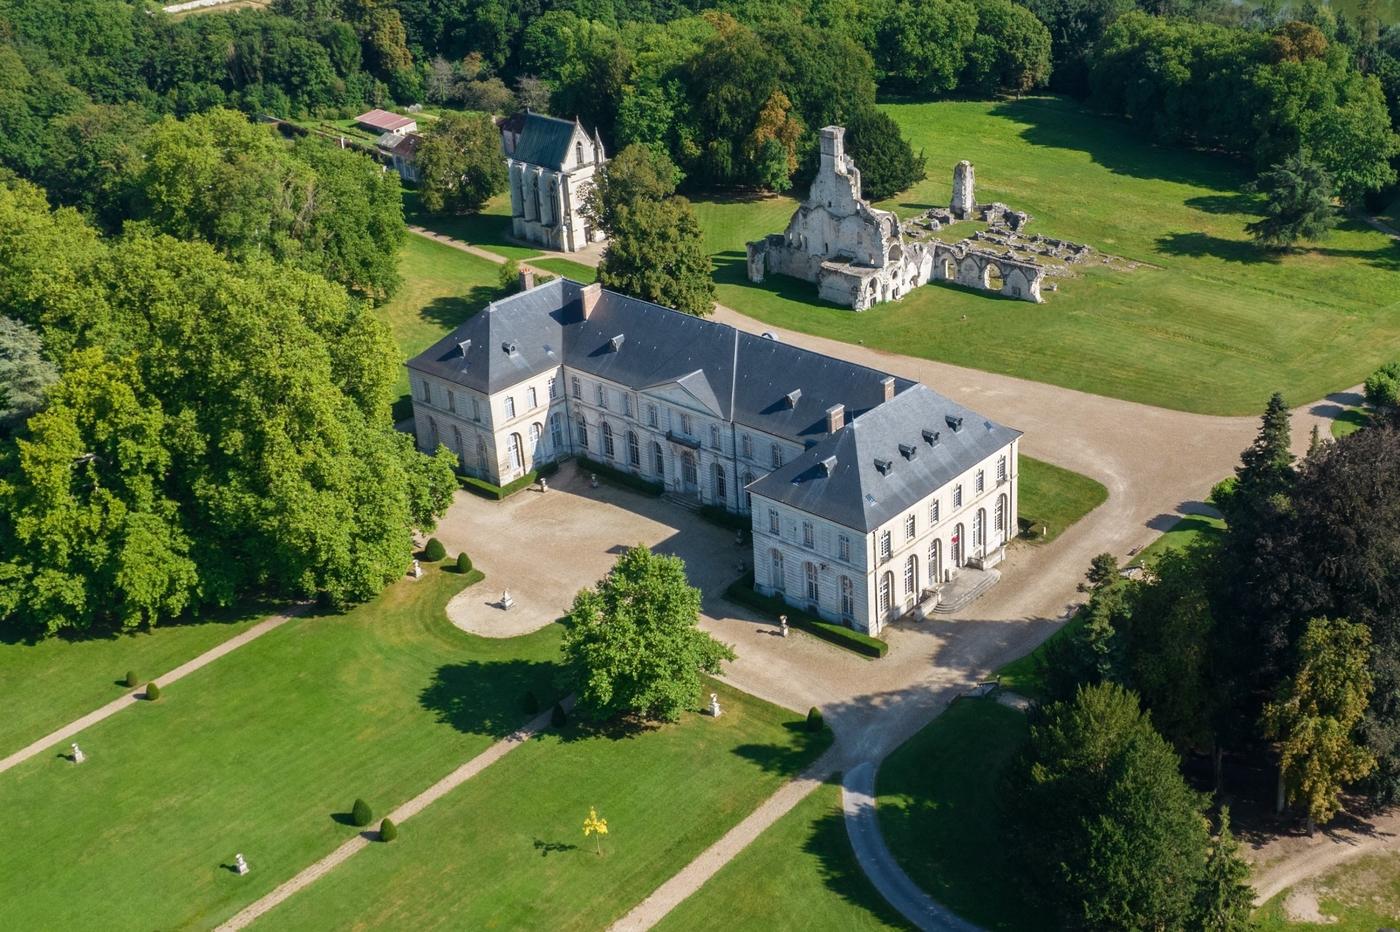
(689, 477)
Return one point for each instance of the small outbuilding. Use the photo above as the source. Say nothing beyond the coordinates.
(383, 121)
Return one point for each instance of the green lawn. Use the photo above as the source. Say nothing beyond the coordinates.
(939, 812)
(1180, 536)
(261, 752)
(506, 850)
(1024, 674)
(799, 874)
(488, 228)
(62, 680)
(1349, 422)
(1214, 325)
(1054, 498)
(1359, 896)
(568, 268)
(442, 287)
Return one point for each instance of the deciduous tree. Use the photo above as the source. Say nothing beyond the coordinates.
(460, 163)
(656, 252)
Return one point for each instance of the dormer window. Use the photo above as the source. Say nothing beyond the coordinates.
(885, 467)
(792, 397)
(615, 343)
(954, 422)
(908, 452)
(828, 465)
(464, 346)
(510, 348)
(931, 437)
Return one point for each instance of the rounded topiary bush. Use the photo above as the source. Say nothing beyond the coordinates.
(131, 680)
(560, 718)
(532, 703)
(361, 814)
(434, 550)
(814, 719)
(388, 831)
(152, 691)
(464, 563)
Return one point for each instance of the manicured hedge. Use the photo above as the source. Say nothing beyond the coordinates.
(743, 592)
(361, 814)
(498, 492)
(434, 551)
(613, 474)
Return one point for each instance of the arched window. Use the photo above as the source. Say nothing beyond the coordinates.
(999, 518)
(607, 440)
(809, 572)
(582, 433)
(578, 152)
(535, 196)
(935, 563)
(634, 450)
(848, 598)
(480, 453)
(513, 452)
(979, 528)
(911, 574)
(748, 496)
(721, 490)
(659, 460)
(776, 573)
(886, 593)
(457, 446)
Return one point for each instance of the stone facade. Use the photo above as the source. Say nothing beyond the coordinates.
(551, 165)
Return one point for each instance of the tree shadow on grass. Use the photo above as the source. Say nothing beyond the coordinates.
(1226, 203)
(247, 610)
(449, 311)
(1201, 245)
(788, 759)
(488, 698)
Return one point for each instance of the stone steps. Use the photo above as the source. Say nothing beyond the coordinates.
(965, 589)
(683, 501)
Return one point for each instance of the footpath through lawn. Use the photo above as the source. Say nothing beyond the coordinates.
(800, 873)
(262, 753)
(507, 850)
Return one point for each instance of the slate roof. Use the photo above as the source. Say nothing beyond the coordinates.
(886, 460)
(544, 141)
(774, 387)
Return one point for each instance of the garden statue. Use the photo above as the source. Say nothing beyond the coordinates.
(507, 602)
(78, 755)
(593, 480)
(417, 570)
(544, 484)
(782, 619)
(240, 866)
(714, 705)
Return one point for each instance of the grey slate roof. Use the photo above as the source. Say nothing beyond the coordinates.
(852, 490)
(544, 140)
(764, 384)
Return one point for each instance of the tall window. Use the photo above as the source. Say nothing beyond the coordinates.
(886, 546)
(576, 387)
(748, 496)
(536, 431)
(957, 496)
(532, 398)
(451, 401)
(746, 444)
(721, 486)
(432, 434)
(607, 440)
(602, 395)
(556, 431)
(480, 453)
(909, 526)
(809, 570)
(510, 407)
(714, 436)
(476, 408)
(981, 481)
(553, 388)
(979, 532)
(808, 535)
(651, 415)
(848, 598)
(933, 561)
(933, 512)
(777, 456)
(999, 514)
(626, 404)
(1001, 469)
(457, 446)
(659, 460)
(777, 581)
(425, 391)
(911, 574)
(685, 424)
(513, 451)
(886, 592)
(582, 433)
(843, 549)
(578, 153)
(773, 526)
(634, 450)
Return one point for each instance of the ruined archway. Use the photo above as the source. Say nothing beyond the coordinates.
(993, 279)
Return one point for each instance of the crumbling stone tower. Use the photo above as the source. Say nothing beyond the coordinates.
(964, 203)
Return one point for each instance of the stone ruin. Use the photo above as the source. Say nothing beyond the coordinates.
(860, 256)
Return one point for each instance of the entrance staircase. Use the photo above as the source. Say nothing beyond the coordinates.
(965, 588)
(687, 502)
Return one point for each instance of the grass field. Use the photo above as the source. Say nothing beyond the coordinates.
(488, 228)
(506, 850)
(441, 288)
(1180, 536)
(1359, 896)
(569, 269)
(1214, 326)
(62, 680)
(799, 874)
(1024, 674)
(261, 752)
(1349, 422)
(939, 812)
(1054, 498)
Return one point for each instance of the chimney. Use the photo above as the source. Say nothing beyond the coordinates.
(527, 278)
(887, 383)
(835, 418)
(590, 296)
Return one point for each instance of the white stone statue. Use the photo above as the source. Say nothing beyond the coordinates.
(240, 866)
(544, 484)
(507, 602)
(782, 619)
(593, 480)
(714, 705)
(417, 570)
(78, 755)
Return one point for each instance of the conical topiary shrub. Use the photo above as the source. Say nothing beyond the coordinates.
(361, 814)
(814, 719)
(152, 691)
(388, 831)
(131, 681)
(464, 563)
(434, 550)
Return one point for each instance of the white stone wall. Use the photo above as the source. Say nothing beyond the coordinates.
(546, 204)
(824, 556)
